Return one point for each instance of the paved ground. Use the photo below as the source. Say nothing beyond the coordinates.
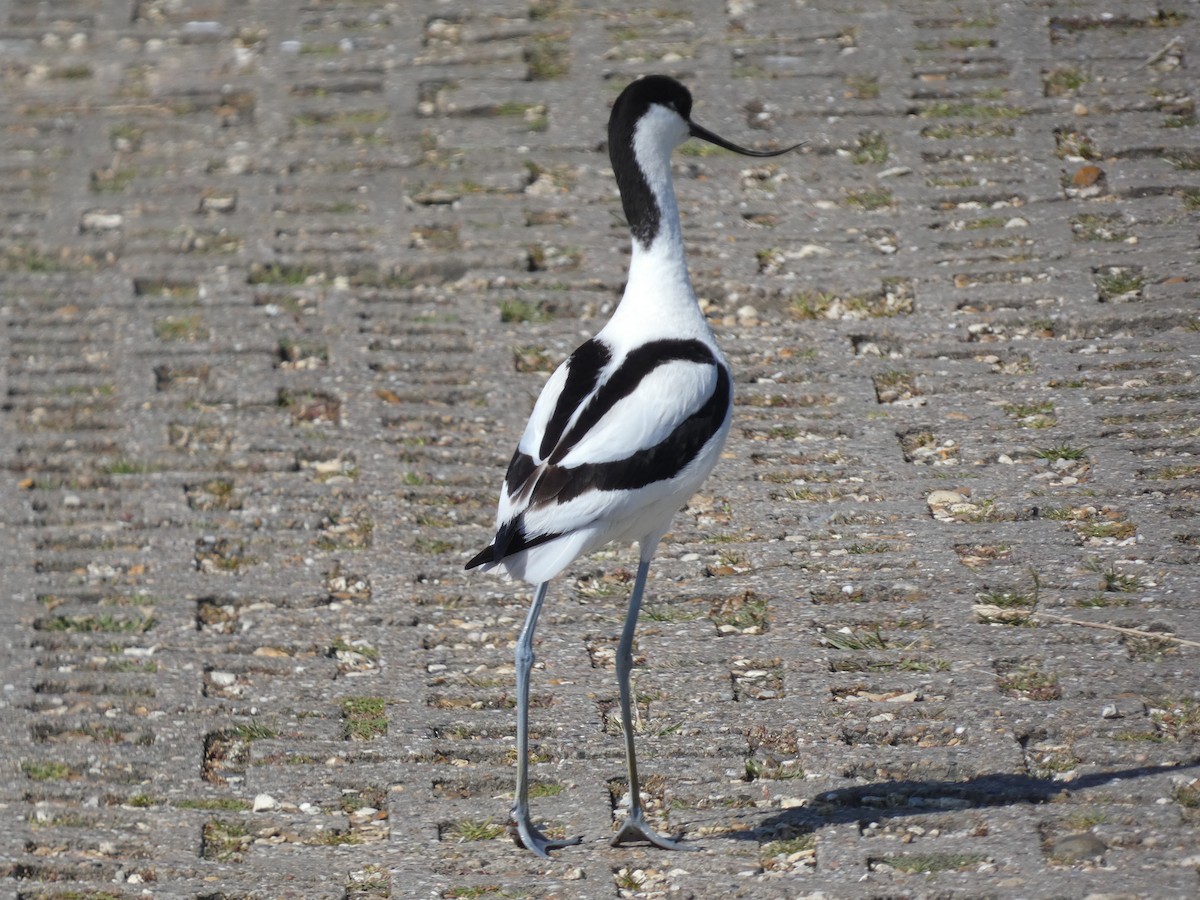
(280, 283)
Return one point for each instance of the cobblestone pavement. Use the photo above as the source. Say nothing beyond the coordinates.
(280, 282)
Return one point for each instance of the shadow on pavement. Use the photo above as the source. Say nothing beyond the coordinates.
(895, 799)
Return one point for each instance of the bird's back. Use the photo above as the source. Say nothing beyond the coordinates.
(616, 444)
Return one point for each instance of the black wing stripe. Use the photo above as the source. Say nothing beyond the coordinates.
(639, 363)
(661, 462)
(583, 372)
(519, 470)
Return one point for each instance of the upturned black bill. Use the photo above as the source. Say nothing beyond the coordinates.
(699, 131)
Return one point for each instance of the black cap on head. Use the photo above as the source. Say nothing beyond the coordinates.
(640, 95)
(637, 98)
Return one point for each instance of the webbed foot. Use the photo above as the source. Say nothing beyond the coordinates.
(524, 834)
(634, 828)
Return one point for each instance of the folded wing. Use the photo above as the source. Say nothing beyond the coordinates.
(606, 439)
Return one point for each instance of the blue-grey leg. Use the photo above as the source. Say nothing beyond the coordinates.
(526, 834)
(634, 828)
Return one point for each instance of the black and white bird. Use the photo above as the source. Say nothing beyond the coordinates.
(627, 428)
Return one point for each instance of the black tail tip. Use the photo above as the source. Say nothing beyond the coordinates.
(483, 557)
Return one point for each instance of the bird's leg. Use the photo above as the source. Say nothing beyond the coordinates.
(634, 828)
(526, 835)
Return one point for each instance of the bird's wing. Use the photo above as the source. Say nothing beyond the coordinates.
(623, 420)
(565, 391)
(601, 438)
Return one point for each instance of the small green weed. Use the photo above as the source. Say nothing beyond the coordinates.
(181, 328)
(871, 148)
(1061, 451)
(364, 718)
(46, 770)
(213, 804)
(472, 830)
(1031, 684)
(224, 841)
(870, 199)
(1119, 283)
(931, 862)
(519, 310)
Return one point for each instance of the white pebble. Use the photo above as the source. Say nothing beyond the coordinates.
(265, 802)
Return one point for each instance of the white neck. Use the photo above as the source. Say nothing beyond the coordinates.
(659, 294)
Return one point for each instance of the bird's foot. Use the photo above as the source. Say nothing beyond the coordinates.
(634, 828)
(524, 834)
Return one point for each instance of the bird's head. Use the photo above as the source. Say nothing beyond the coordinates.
(660, 107)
